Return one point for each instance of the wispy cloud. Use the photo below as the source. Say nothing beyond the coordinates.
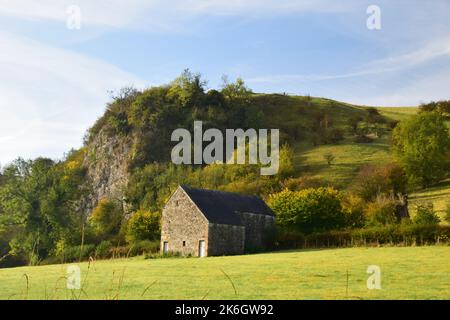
(49, 96)
(160, 15)
(434, 50)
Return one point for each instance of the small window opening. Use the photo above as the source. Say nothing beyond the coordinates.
(184, 243)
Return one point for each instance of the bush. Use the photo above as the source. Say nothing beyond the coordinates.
(382, 211)
(308, 210)
(75, 253)
(422, 143)
(426, 215)
(333, 136)
(145, 247)
(301, 183)
(353, 208)
(103, 249)
(106, 218)
(143, 225)
(404, 234)
(389, 179)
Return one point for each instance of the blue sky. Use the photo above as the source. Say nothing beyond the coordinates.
(54, 80)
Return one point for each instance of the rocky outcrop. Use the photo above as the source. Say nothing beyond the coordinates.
(106, 161)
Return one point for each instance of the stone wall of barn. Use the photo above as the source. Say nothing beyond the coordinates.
(258, 230)
(183, 225)
(225, 239)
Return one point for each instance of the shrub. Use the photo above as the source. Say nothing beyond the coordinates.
(301, 183)
(286, 167)
(308, 210)
(106, 218)
(422, 143)
(103, 249)
(333, 136)
(353, 208)
(75, 253)
(143, 225)
(404, 234)
(145, 247)
(381, 211)
(385, 180)
(426, 215)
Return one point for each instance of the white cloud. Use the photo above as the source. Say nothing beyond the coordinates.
(424, 88)
(159, 15)
(436, 49)
(49, 97)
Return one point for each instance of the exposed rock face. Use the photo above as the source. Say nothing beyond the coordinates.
(106, 160)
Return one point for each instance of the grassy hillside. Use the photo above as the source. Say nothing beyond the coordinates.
(126, 164)
(406, 273)
(286, 112)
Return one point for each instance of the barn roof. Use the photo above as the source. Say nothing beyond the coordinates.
(221, 207)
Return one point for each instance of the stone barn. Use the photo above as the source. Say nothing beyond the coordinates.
(213, 223)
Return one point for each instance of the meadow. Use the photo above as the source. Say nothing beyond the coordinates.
(406, 273)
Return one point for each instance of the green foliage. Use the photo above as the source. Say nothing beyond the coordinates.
(103, 249)
(145, 247)
(235, 91)
(78, 253)
(143, 225)
(303, 182)
(425, 215)
(353, 123)
(324, 131)
(442, 107)
(353, 208)
(389, 235)
(382, 211)
(308, 210)
(286, 168)
(422, 144)
(37, 202)
(388, 180)
(106, 218)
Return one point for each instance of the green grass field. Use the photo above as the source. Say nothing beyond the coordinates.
(406, 273)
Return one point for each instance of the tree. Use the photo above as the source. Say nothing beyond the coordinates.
(286, 168)
(37, 201)
(373, 116)
(188, 89)
(443, 107)
(353, 123)
(106, 218)
(382, 211)
(422, 144)
(143, 225)
(236, 90)
(426, 215)
(372, 181)
(353, 208)
(309, 210)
